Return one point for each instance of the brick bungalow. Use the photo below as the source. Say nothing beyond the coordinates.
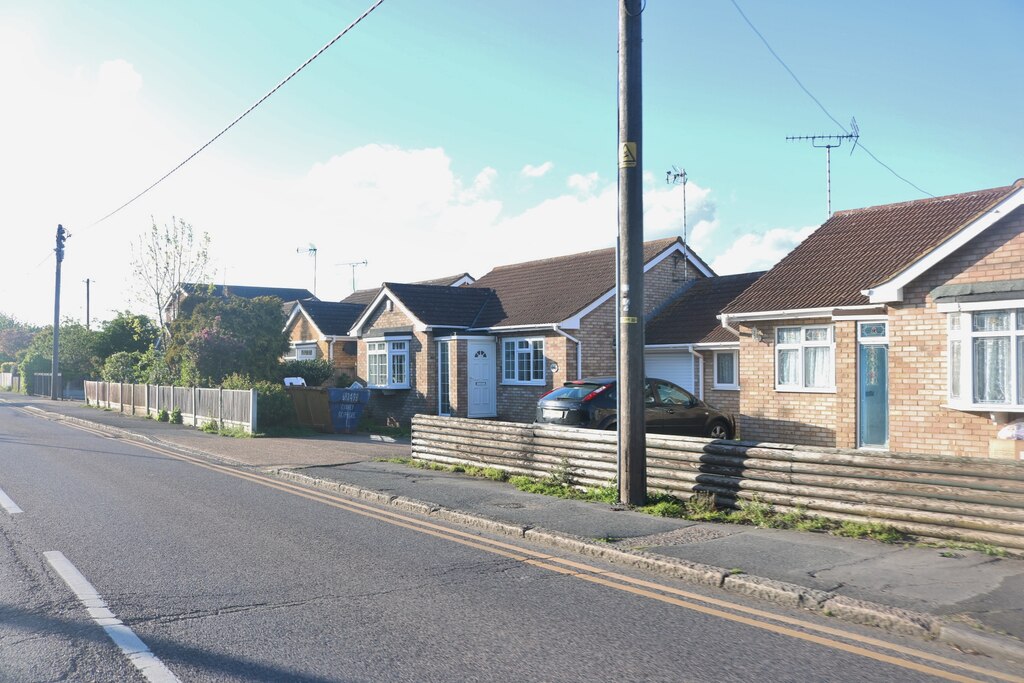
(491, 348)
(319, 329)
(896, 327)
(686, 344)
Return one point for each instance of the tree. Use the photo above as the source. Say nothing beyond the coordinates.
(126, 332)
(164, 258)
(77, 358)
(123, 366)
(15, 337)
(215, 337)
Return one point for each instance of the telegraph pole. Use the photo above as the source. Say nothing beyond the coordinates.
(632, 439)
(55, 387)
(87, 281)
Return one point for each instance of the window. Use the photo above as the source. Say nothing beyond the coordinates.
(726, 364)
(986, 358)
(301, 352)
(444, 397)
(804, 358)
(387, 364)
(523, 361)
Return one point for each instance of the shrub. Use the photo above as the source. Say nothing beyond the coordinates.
(274, 407)
(122, 366)
(163, 415)
(343, 381)
(176, 416)
(315, 372)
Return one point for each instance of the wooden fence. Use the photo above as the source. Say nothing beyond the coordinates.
(226, 407)
(11, 381)
(960, 499)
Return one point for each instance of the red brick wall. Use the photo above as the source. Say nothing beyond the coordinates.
(790, 416)
(918, 365)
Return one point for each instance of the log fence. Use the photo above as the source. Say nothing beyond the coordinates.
(944, 497)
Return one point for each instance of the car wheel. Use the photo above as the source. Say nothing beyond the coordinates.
(718, 430)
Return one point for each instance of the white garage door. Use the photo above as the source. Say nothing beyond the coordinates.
(676, 367)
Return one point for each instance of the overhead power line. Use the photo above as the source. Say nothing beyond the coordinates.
(260, 101)
(818, 102)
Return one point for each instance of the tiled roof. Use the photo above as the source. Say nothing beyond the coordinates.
(857, 249)
(365, 296)
(691, 318)
(554, 289)
(441, 305)
(247, 292)
(331, 318)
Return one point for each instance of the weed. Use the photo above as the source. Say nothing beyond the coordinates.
(756, 512)
(736, 570)
(701, 506)
(234, 432)
(163, 415)
(947, 553)
(563, 475)
(607, 539)
(176, 416)
(662, 505)
(984, 548)
(397, 461)
(808, 523)
(873, 530)
(210, 427)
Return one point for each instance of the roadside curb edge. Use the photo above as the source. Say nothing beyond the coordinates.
(862, 612)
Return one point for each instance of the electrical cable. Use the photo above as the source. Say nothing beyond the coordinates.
(277, 87)
(818, 102)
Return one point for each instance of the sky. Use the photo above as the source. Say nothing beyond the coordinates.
(445, 137)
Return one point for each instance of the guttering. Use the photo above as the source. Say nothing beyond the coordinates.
(579, 349)
(724, 319)
(782, 314)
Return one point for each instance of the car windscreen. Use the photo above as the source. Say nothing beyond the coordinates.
(573, 392)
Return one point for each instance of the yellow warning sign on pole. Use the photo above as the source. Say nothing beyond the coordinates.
(627, 156)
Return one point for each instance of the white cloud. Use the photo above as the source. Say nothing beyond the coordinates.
(752, 252)
(583, 182)
(531, 171)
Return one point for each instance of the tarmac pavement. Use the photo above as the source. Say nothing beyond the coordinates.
(969, 599)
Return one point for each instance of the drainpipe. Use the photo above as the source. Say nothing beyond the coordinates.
(579, 349)
(725, 323)
(330, 349)
(700, 371)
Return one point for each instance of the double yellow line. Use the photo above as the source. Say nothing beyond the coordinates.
(774, 623)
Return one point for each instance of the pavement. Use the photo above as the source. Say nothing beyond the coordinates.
(967, 598)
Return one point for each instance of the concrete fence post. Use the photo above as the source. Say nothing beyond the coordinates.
(253, 398)
(220, 407)
(195, 406)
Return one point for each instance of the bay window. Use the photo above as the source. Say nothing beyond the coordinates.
(522, 361)
(986, 358)
(805, 358)
(387, 364)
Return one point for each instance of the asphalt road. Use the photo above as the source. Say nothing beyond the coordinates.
(223, 574)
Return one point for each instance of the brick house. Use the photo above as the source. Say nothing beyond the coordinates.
(685, 343)
(896, 327)
(319, 329)
(491, 348)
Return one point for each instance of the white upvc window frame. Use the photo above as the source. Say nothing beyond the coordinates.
(444, 368)
(801, 346)
(302, 351)
(387, 363)
(523, 346)
(735, 385)
(960, 342)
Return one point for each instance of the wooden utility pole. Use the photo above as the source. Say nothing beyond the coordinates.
(55, 387)
(630, 296)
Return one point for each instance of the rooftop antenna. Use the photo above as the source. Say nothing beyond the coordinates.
(828, 142)
(679, 177)
(311, 250)
(353, 264)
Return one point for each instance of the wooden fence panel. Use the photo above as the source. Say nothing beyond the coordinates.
(231, 407)
(970, 500)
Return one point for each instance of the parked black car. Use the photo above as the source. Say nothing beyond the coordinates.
(669, 409)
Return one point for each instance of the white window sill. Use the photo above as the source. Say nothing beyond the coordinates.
(387, 387)
(726, 387)
(805, 390)
(984, 407)
(523, 384)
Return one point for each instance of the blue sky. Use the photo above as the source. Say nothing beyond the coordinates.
(441, 137)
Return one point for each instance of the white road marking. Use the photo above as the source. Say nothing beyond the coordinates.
(8, 504)
(138, 654)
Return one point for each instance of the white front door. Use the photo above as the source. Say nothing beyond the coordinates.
(482, 376)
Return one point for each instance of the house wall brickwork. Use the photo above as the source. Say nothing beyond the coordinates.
(518, 402)
(726, 400)
(918, 372)
(343, 355)
(793, 416)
